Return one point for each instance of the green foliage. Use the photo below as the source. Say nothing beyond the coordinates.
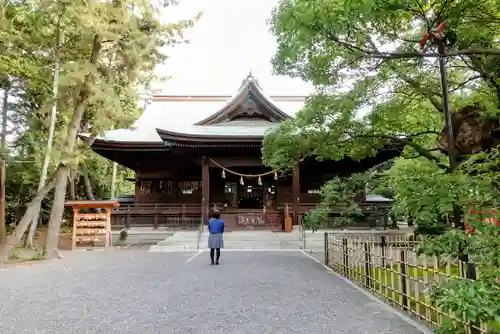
(340, 196)
(134, 39)
(363, 101)
(373, 87)
(429, 194)
(476, 299)
(123, 235)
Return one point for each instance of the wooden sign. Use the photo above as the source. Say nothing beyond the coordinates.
(91, 227)
(250, 220)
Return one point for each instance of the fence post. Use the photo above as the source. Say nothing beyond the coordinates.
(327, 256)
(155, 218)
(368, 265)
(345, 256)
(127, 221)
(472, 275)
(383, 244)
(404, 273)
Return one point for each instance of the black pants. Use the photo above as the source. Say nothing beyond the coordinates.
(212, 250)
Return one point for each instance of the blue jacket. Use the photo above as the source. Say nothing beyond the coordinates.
(216, 226)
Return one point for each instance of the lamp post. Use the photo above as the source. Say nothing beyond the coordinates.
(452, 152)
(439, 38)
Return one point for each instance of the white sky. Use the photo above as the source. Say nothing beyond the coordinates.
(231, 38)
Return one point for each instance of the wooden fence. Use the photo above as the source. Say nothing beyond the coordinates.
(167, 216)
(388, 266)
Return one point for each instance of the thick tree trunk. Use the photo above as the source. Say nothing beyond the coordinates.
(62, 173)
(56, 214)
(72, 189)
(15, 238)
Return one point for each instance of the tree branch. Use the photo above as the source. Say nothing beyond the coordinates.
(457, 87)
(363, 52)
(403, 55)
(423, 133)
(423, 152)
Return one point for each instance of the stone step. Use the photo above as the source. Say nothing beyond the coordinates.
(157, 248)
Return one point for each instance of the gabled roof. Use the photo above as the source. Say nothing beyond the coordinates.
(181, 113)
(248, 102)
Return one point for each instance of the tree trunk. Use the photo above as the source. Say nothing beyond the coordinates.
(62, 173)
(72, 189)
(15, 237)
(3, 227)
(46, 159)
(87, 184)
(56, 214)
(3, 153)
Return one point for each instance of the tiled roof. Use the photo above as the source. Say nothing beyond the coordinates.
(247, 129)
(179, 114)
(377, 198)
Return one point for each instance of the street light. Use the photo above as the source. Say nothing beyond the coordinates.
(440, 38)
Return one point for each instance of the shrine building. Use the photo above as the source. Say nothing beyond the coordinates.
(195, 153)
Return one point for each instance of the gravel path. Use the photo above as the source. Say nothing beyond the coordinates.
(133, 291)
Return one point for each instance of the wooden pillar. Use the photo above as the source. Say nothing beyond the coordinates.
(205, 189)
(296, 194)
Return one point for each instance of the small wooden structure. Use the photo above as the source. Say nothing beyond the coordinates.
(91, 227)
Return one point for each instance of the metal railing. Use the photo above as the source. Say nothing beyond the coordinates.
(389, 267)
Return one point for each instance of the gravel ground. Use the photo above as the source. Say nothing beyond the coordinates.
(133, 291)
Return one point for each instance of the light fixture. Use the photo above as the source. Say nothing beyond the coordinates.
(275, 176)
(223, 174)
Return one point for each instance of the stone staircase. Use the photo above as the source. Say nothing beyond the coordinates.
(234, 240)
(179, 242)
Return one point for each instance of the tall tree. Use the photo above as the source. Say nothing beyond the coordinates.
(30, 238)
(365, 60)
(3, 154)
(112, 48)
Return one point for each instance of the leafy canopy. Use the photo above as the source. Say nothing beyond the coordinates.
(373, 84)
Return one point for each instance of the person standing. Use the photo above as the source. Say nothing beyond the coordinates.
(215, 239)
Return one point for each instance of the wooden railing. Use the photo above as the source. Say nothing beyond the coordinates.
(169, 216)
(145, 208)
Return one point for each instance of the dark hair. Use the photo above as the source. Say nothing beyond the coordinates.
(215, 214)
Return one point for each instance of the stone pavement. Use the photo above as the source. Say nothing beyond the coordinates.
(135, 291)
(242, 240)
(263, 240)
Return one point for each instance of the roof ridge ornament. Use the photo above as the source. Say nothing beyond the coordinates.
(250, 78)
